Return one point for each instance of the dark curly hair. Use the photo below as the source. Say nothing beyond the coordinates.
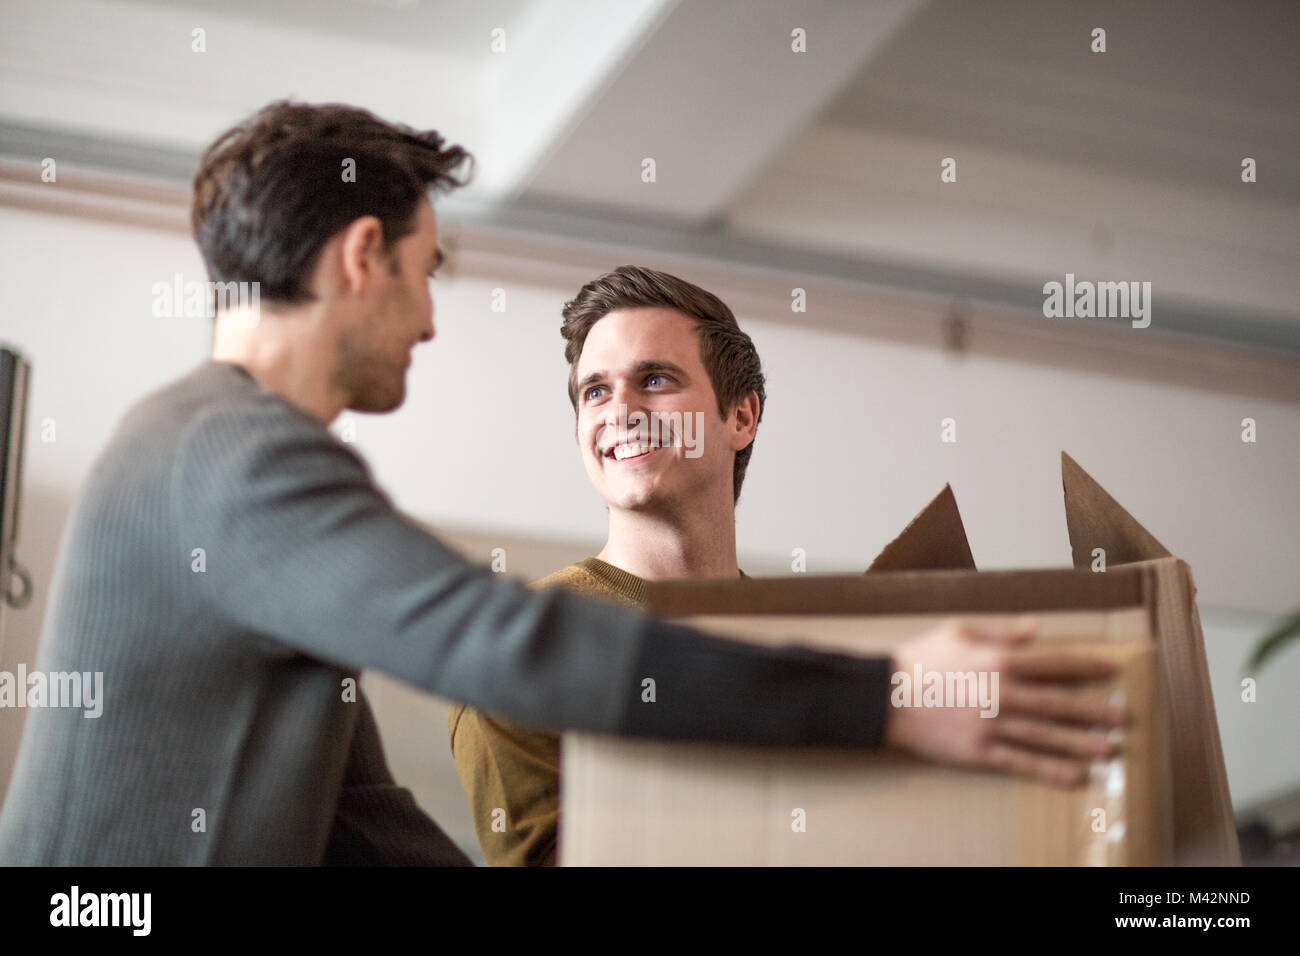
(270, 192)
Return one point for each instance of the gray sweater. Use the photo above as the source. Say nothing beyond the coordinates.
(227, 733)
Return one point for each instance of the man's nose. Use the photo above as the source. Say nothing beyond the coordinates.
(427, 334)
(617, 398)
(623, 402)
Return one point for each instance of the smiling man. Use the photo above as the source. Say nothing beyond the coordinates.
(668, 393)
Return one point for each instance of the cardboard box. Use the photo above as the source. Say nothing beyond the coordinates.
(1164, 799)
(1204, 830)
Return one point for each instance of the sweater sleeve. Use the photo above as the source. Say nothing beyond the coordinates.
(303, 552)
(511, 777)
(377, 822)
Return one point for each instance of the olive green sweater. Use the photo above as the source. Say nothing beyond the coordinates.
(510, 771)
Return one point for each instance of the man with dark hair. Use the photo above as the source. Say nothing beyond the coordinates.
(648, 348)
(231, 568)
(727, 354)
(667, 392)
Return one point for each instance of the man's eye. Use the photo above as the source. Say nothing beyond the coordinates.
(591, 392)
(655, 378)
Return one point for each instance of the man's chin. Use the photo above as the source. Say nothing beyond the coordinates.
(386, 401)
(637, 499)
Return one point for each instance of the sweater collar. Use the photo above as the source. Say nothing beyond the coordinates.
(622, 582)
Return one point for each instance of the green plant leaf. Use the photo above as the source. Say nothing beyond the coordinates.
(1273, 641)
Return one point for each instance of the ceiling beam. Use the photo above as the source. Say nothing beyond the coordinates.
(711, 96)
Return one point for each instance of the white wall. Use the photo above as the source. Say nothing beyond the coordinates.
(848, 451)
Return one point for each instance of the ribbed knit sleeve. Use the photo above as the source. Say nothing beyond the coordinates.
(711, 689)
(303, 549)
(377, 822)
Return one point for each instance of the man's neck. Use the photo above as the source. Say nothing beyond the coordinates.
(660, 547)
(292, 358)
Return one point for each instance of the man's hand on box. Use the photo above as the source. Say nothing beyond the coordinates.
(1043, 716)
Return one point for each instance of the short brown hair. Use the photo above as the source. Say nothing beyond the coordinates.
(728, 353)
(270, 192)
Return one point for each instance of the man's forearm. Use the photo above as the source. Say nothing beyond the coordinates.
(302, 546)
(722, 690)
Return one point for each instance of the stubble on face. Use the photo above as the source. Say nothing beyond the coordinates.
(368, 375)
(375, 353)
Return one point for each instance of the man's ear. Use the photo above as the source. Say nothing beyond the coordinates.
(745, 421)
(361, 253)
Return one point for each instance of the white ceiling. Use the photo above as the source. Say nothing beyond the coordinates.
(127, 73)
(711, 97)
(435, 28)
(1123, 165)
(1182, 89)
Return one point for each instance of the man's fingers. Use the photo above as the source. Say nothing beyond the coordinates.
(1059, 703)
(1052, 663)
(1047, 735)
(1032, 766)
(1021, 633)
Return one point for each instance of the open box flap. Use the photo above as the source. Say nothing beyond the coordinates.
(1204, 830)
(935, 540)
(1096, 520)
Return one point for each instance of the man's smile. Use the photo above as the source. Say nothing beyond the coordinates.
(631, 451)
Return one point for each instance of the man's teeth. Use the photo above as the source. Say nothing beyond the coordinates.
(630, 451)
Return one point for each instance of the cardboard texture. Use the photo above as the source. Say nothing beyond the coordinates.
(650, 803)
(1095, 520)
(1204, 830)
(934, 540)
(646, 802)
